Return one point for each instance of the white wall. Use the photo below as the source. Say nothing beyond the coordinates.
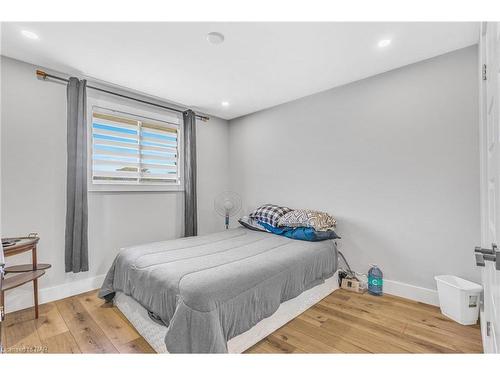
(393, 157)
(33, 172)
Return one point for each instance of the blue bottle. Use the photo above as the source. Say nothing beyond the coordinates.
(375, 280)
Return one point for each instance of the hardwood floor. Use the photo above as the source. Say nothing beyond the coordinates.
(343, 322)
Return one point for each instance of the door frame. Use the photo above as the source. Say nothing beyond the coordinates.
(489, 62)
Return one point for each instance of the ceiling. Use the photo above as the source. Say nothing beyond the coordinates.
(258, 66)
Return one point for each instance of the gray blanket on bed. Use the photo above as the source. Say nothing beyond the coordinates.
(209, 289)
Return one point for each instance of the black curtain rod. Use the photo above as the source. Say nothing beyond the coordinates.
(43, 75)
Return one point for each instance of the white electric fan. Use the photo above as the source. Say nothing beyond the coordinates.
(227, 204)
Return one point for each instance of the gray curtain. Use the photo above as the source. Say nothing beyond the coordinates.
(76, 241)
(190, 207)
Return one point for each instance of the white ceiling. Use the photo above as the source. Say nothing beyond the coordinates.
(258, 66)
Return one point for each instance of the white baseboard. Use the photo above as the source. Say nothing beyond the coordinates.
(23, 298)
(415, 293)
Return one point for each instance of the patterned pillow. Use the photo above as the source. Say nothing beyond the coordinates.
(307, 218)
(269, 213)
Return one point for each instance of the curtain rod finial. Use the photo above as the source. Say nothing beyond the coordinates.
(41, 74)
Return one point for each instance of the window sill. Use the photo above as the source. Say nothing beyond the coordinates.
(133, 188)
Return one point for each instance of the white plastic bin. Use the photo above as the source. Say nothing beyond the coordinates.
(458, 298)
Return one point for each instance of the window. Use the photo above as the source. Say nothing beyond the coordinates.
(134, 150)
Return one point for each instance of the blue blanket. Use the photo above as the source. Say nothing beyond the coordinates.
(301, 233)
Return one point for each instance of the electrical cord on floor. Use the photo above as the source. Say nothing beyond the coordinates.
(349, 272)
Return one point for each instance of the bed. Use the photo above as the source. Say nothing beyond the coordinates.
(221, 292)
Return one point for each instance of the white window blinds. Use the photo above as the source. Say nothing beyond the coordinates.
(130, 149)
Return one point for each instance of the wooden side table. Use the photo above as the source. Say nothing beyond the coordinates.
(23, 273)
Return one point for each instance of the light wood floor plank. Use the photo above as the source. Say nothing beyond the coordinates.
(335, 339)
(432, 322)
(343, 322)
(22, 337)
(139, 345)
(392, 331)
(114, 327)
(305, 343)
(61, 343)
(263, 347)
(434, 329)
(50, 322)
(89, 337)
(279, 345)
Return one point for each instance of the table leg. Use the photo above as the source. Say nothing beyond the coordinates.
(2, 302)
(35, 296)
(35, 282)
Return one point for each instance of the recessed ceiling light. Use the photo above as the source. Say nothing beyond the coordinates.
(30, 34)
(384, 43)
(225, 104)
(215, 38)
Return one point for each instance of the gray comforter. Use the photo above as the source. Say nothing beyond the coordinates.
(209, 289)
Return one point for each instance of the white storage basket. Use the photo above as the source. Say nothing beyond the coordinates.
(458, 298)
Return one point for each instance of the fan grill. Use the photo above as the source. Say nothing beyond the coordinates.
(227, 204)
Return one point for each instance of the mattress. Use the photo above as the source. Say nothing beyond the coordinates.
(209, 289)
